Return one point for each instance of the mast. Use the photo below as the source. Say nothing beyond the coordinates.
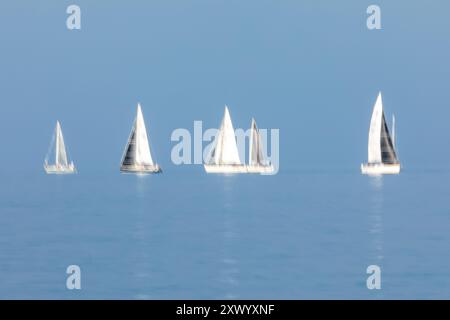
(58, 129)
(255, 151)
(251, 156)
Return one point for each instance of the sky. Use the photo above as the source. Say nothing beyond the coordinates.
(309, 68)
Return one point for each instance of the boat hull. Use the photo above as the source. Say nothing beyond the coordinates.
(225, 168)
(54, 169)
(381, 168)
(238, 169)
(140, 169)
(261, 169)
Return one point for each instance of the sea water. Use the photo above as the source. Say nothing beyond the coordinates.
(197, 236)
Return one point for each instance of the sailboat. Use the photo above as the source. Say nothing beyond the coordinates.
(382, 157)
(257, 162)
(61, 165)
(224, 156)
(137, 157)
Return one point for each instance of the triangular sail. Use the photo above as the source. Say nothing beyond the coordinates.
(137, 150)
(374, 151)
(387, 147)
(61, 165)
(256, 157)
(225, 151)
(380, 146)
(61, 155)
(129, 157)
(143, 155)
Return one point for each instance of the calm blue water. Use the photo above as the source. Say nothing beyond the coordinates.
(185, 234)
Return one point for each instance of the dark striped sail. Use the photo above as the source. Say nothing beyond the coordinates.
(388, 154)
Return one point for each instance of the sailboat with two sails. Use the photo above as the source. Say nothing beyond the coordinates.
(137, 157)
(224, 155)
(62, 164)
(382, 157)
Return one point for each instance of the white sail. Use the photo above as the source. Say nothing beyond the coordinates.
(225, 151)
(256, 157)
(137, 156)
(374, 146)
(137, 150)
(61, 164)
(143, 155)
(60, 154)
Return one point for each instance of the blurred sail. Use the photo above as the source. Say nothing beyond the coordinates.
(225, 151)
(137, 157)
(386, 146)
(137, 149)
(61, 155)
(61, 164)
(256, 156)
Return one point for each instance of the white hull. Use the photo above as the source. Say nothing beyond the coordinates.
(238, 169)
(144, 169)
(225, 168)
(379, 169)
(261, 169)
(56, 169)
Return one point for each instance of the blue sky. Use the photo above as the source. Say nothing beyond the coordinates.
(310, 68)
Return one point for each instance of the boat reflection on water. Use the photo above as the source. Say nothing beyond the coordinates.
(229, 271)
(376, 202)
